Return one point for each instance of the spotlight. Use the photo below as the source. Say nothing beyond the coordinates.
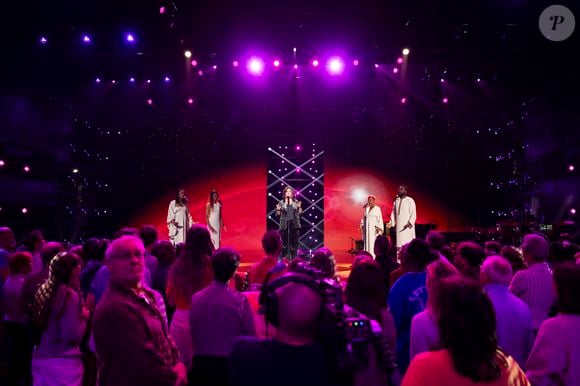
(315, 63)
(376, 65)
(442, 80)
(149, 102)
(572, 211)
(403, 100)
(187, 54)
(478, 80)
(162, 10)
(26, 169)
(148, 81)
(24, 210)
(166, 80)
(194, 63)
(255, 66)
(570, 168)
(399, 60)
(86, 39)
(200, 73)
(2, 163)
(294, 49)
(395, 70)
(296, 67)
(406, 51)
(298, 147)
(130, 38)
(97, 80)
(190, 101)
(215, 67)
(75, 171)
(235, 63)
(276, 63)
(355, 62)
(335, 66)
(43, 40)
(445, 100)
(114, 81)
(132, 80)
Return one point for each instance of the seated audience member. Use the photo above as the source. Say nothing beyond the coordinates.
(366, 297)
(59, 314)
(7, 246)
(15, 319)
(556, 353)
(534, 284)
(217, 317)
(468, 259)
(148, 234)
(272, 246)
(514, 257)
(323, 260)
(424, 329)
(515, 333)
(294, 356)
(385, 258)
(408, 296)
(469, 353)
(130, 334)
(492, 248)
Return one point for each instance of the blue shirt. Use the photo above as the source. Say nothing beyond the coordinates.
(101, 282)
(407, 298)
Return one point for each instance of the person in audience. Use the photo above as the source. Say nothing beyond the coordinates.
(366, 297)
(165, 253)
(408, 296)
(20, 265)
(190, 273)
(130, 333)
(272, 246)
(534, 284)
(514, 257)
(59, 314)
(148, 234)
(515, 333)
(436, 242)
(492, 248)
(323, 260)
(397, 273)
(556, 353)
(294, 356)
(94, 252)
(218, 315)
(7, 246)
(385, 258)
(424, 329)
(562, 252)
(32, 244)
(468, 259)
(469, 353)
(127, 231)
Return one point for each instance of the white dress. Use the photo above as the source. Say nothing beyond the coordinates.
(372, 225)
(215, 220)
(404, 212)
(180, 215)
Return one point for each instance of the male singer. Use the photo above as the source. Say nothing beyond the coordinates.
(289, 211)
(178, 218)
(403, 217)
(371, 224)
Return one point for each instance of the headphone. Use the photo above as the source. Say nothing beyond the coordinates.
(268, 299)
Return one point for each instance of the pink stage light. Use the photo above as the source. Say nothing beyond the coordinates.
(315, 63)
(298, 147)
(190, 101)
(478, 80)
(130, 38)
(26, 169)
(2, 163)
(296, 67)
(166, 80)
(149, 102)
(24, 210)
(335, 66)
(97, 80)
(86, 39)
(442, 80)
(276, 63)
(43, 40)
(162, 10)
(235, 63)
(570, 168)
(399, 60)
(403, 100)
(355, 62)
(215, 67)
(572, 211)
(255, 66)
(114, 81)
(200, 73)
(395, 70)
(445, 100)
(132, 80)
(194, 63)
(376, 65)
(148, 81)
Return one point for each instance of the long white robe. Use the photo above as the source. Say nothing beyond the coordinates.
(179, 214)
(404, 212)
(371, 225)
(215, 220)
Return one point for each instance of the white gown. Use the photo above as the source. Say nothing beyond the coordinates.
(372, 219)
(404, 212)
(215, 220)
(178, 213)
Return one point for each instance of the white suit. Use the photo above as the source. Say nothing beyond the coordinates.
(182, 217)
(372, 225)
(404, 212)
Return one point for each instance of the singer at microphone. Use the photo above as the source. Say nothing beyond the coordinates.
(403, 217)
(371, 224)
(179, 219)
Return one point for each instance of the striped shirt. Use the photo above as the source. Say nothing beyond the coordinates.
(534, 287)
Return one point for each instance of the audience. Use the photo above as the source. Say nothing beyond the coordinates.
(130, 333)
(272, 246)
(514, 257)
(323, 260)
(515, 333)
(32, 244)
(59, 314)
(408, 296)
(149, 236)
(534, 284)
(386, 257)
(469, 353)
(492, 248)
(7, 246)
(553, 360)
(218, 315)
(190, 273)
(165, 253)
(424, 330)
(94, 254)
(468, 259)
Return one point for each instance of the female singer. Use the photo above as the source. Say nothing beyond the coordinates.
(214, 218)
(289, 211)
(178, 218)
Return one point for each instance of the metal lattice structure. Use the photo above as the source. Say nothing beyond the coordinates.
(302, 169)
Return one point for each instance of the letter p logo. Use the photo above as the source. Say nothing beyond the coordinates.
(557, 23)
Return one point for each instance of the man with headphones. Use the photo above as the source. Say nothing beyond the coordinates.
(292, 305)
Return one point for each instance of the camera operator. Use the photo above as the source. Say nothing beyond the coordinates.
(293, 356)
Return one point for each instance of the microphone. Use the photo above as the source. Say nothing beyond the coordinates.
(185, 199)
(365, 205)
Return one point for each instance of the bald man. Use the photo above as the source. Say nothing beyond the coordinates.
(515, 333)
(293, 356)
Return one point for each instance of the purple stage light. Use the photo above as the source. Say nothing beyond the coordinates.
(148, 81)
(130, 38)
(166, 80)
(572, 211)
(445, 100)
(86, 39)
(114, 81)
(255, 66)
(149, 102)
(399, 60)
(276, 63)
(298, 147)
(296, 67)
(355, 62)
(162, 10)
(194, 63)
(235, 63)
(214, 66)
(376, 65)
(570, 168)
(442, 80)
(395, 70)
(200, 73)
(315, 63)
(97, 80)
(26, 169)
(190, 101)
(132, 80)
(403, 100)
(43, 40)
(335, 66)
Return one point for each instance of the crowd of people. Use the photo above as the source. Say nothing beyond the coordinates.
(135, 310)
